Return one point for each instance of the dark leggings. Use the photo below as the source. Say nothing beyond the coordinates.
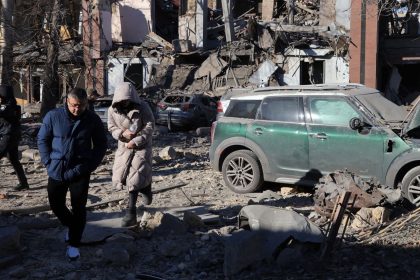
(132, 198)
(13, 156)
(75, 219)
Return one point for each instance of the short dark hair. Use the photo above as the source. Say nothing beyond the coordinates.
(77, 93)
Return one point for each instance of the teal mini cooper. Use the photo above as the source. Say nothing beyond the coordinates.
(297, 134)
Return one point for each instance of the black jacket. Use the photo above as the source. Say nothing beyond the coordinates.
(5, 132)
(9, 118)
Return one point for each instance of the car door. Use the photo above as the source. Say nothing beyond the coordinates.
(333, 145)
(280, 132)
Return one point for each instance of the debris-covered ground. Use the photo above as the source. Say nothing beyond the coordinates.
(166, 248)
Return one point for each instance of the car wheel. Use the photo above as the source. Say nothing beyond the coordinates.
(411, 186)
(242, 172)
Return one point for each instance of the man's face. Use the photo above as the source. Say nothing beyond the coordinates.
(76, 106)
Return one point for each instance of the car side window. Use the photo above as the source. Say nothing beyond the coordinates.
(242, 109)
(284, 109)
(331, 111)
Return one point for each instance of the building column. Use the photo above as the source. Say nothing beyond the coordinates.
(267, 10)
(95, 42)
(201, 23)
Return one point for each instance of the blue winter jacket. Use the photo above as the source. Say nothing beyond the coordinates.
(69, 146)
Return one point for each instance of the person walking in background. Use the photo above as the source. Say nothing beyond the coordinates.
(10, 133)
(72, 144)
(131, 122)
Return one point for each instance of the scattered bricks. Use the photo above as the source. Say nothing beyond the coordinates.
(369, 217)
(31, 154)
(167, 153)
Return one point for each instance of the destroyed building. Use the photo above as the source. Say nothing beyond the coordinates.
(212, 45)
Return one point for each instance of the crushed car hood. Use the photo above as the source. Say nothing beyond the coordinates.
(395, 116)
(411, 127)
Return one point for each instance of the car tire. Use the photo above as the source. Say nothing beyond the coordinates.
(410, 186)
(242, 172)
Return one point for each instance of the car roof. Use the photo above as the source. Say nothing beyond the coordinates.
(316, 89)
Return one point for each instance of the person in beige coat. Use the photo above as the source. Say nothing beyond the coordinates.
(131, 122)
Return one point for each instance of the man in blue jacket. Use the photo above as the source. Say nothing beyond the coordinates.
(72, 144)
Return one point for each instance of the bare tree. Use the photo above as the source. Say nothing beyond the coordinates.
(6, 43)
(51, 79)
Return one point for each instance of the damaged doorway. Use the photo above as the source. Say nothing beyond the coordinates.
(400, 83)
(311, 72)
(133, 73)
(167, 19)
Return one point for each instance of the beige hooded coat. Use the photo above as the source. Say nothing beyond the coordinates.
(132, 167)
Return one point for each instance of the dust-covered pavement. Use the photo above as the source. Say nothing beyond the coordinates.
(197, 251)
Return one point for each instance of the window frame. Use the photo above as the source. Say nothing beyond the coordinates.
(301, 114)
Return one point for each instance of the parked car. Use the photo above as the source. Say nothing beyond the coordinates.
(297, 134)
(102, 104)
(186, 110)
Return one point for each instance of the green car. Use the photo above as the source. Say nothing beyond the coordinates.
(298, 134)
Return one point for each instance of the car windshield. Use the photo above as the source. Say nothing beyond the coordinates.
(382, 108)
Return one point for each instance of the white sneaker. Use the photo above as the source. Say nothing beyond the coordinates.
(72, 253)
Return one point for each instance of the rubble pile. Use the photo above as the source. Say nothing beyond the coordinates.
(192, 227)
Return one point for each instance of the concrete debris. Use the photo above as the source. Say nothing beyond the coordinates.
(263, 74)
(191, 229)
(365, 193)
(212, 67)
(271, 229)
(167, 224)
(370, 217)
(168, 153)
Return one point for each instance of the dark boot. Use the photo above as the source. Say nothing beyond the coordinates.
(130, 218)
(21, 187)
(146, 195)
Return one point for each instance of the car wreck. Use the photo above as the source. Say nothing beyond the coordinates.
(297, 134)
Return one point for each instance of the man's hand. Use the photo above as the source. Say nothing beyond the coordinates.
(130, 145)
(127, 134)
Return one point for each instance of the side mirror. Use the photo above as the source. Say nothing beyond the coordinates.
(356, 123)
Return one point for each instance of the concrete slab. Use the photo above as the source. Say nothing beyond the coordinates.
(100, 226)
(200, 211)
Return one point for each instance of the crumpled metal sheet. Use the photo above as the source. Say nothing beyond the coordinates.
(279, 224)
(264, 72)
(213, 65)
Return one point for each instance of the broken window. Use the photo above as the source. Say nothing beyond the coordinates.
(401, 18)
(134, 74)
(311, 72)
(285, 109)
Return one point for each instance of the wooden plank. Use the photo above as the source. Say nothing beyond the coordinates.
(337, 217)
(160, 40)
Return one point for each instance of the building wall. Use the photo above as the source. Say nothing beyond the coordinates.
(131, 20)
(115, 74)
(336, 70)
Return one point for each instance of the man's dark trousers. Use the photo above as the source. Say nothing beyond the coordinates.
(75, 219)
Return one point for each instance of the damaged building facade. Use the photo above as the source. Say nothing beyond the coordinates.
(212, 45)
